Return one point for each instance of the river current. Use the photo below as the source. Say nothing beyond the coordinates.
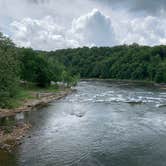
(103, 123)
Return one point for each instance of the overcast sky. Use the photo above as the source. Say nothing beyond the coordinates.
(57, 24)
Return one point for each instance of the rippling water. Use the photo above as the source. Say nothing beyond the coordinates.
(102, 124)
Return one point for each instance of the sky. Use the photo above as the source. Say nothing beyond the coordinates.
(57, 24)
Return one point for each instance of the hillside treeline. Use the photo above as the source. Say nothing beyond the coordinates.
(20, 66)
(25, 65)
(132, 62)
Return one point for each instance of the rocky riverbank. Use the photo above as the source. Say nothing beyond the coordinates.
(8, 141)
(12, 138)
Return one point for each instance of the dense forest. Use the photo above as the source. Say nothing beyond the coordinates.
(132, 62)
(26, 65)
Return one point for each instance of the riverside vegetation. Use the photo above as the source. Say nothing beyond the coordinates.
(28, 79)
(129, 62)
(24, 72)
(25, 66)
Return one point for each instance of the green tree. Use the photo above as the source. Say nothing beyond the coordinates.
(35, 68)
(9, 68)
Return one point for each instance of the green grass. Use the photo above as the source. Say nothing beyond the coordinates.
(21, 96)
(26, 93)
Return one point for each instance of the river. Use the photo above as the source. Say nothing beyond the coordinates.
(101, 124)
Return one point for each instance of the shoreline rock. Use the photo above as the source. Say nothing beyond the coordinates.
(8, 141)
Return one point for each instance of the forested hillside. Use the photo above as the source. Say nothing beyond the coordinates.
(24, 67)
(132, 62)
(121, 62)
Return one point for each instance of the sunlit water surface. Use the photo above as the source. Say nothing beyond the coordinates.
(102, 124)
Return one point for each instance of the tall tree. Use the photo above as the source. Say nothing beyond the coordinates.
(9, 68)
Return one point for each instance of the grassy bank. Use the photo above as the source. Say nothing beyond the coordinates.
(28, 92)
(29, 98)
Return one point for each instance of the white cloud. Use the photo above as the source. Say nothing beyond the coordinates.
(91, 29)
(55, 24)
(149, 30)
(42, 34)
(63, 11)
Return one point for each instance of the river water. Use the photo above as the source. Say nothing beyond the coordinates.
(102, 124)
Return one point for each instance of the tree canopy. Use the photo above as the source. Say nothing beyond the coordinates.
(132, 62)
(9, 69)
(120, 62)
(28, 65)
